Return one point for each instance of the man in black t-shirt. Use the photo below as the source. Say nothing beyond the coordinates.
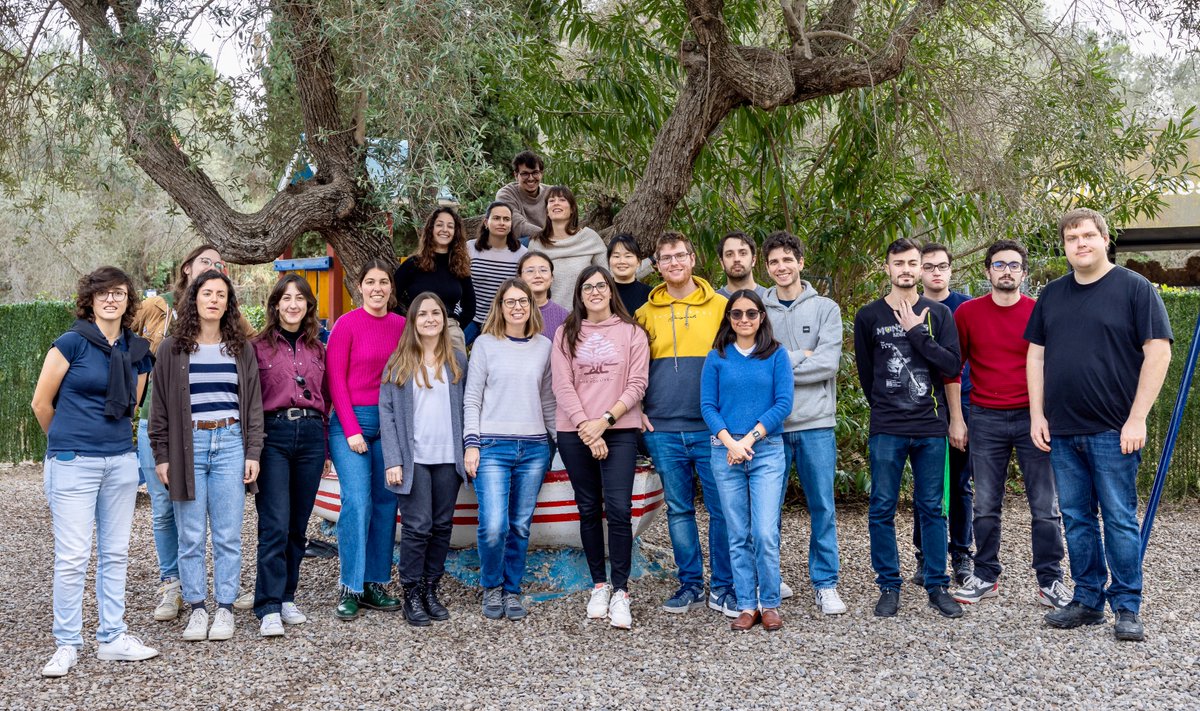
(1100, 346)
(906, 347)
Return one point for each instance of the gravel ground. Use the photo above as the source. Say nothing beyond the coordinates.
(999, 655)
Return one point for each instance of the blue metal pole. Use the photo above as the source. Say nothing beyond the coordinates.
(1164, 459)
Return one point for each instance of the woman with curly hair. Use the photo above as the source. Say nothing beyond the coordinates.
(206, 429)
(87, 392)
(441, 265)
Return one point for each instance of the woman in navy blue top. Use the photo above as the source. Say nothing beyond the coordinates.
(745, 394)
(89, 386)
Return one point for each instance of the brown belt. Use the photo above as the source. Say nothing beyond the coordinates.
(214, 424)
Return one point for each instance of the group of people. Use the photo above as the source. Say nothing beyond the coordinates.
(729, 388)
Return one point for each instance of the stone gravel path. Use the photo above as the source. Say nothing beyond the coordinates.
(998, 656)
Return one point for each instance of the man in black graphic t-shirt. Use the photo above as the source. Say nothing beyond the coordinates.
(1100, 344)
(906, 347)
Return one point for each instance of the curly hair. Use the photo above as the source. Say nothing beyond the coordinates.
(187, 325)
(460, 261)
(102, 280)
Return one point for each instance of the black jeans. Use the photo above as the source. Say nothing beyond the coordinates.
(426, 520)
(289, 474)
(958, 520)
(994, 435)
(603, 490)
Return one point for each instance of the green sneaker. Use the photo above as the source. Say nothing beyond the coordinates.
(348, 608)
(375, 597)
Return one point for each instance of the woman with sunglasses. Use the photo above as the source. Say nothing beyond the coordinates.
(570, 246)
(291, 366)
(508, 413)
(601, 363)
(745, 393)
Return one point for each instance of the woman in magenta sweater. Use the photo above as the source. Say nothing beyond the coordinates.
(600, 364)
(359, 348)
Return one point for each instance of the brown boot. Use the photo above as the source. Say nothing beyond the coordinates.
(771, 621)
(745, 621)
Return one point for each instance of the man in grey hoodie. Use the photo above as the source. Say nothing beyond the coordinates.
(810, 327)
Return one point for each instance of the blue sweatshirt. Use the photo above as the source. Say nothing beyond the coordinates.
(737, 392)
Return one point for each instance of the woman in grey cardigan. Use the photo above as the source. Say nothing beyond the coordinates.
(423, 390)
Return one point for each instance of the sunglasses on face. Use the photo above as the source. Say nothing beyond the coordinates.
(748, 314)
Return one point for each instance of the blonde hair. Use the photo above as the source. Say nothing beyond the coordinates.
(494, 326)
(408, 360)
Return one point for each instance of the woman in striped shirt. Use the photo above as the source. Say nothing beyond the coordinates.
(206, 429)
(494, 257)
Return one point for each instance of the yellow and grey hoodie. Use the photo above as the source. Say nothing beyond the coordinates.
(681, 335)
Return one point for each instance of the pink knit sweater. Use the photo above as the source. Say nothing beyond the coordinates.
(358, 351)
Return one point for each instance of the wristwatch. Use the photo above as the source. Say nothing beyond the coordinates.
(754, 433)
(608, 417)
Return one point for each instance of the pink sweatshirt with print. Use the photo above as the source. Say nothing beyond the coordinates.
(611, 363)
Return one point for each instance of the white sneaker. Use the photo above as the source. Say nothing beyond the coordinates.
(292, 615)
(829, 602)
(785, 590)
(272, 626)
(64, 658)
(598, 603)
(172, 599)
(197, 626)
(222, 626)
(618, 610)
(125, 648)
(245, 601)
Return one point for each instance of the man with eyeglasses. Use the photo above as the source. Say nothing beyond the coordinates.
(936, 270)
(526, 195)
(682, 316)
(991, 334)
(906, 347)
(1100, 345)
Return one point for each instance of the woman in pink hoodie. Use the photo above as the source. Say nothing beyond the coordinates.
(600, 363)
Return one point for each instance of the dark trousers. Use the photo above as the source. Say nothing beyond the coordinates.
(426, 520)
(959, 515)
(289, 474)
(994, 435)
(603, 490)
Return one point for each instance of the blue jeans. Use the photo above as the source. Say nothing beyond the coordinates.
(680, 458)
(220, 465)
(166, 536)
(83, 491)
(507, 483)
(751, 497)
(366, 527)
(928, 457)
(1091, 471)
(814, 452)
(471, 332)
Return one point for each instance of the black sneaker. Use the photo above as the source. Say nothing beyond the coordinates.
(1129, 626)
(941, 601)
(963, 569)
(889, 603)
(1074, 615)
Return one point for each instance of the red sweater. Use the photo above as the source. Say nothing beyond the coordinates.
(992, 339)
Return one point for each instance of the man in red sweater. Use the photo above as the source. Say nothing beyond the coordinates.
(991, 334)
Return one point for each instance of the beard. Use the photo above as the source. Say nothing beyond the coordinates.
(1009, 286)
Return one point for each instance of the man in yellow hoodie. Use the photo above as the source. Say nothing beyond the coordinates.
(682, 316)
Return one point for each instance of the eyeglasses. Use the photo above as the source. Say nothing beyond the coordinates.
(599, 288)
(302, 383)
(522, 302)
(211, 264)
(1008, 266)
(669, 258)
(943, 267)
(529, 174)
(748, 315)
(117, 295)
(540, 271)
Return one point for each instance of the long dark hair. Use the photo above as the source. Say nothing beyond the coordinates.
(546, 237)
(574, 323)
(183, 279)
(482, 244)
(310, 327)
(99, 281)
(460, 261)
(187, 326)
(764, 341)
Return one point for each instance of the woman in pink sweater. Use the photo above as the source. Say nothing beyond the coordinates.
(600, 364)
(359, 348)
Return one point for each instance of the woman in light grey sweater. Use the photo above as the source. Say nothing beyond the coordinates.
(571, 247)
(508, 413)
(422, 391)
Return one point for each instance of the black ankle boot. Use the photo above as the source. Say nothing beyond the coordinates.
(434, 607)
(414, 610)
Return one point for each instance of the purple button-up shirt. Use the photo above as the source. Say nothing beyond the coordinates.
(283, 371)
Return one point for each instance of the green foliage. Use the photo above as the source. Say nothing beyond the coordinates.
(28, 330)
(1183, 478)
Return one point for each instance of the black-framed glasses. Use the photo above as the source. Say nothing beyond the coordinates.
(598, 288)
(117, 295)
(303, 384)
(942, 267)
(1008, 266)
(529, 174)
(748, 314)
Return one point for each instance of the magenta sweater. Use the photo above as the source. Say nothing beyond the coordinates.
(612, 362)
(358, 351)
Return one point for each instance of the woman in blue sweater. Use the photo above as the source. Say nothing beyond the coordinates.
(745, 394)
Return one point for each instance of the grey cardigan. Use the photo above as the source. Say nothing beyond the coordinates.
(396, 409)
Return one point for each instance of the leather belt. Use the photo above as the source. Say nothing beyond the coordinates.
(214, 424)
(295, 413)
